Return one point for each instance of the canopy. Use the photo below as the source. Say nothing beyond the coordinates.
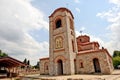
(10, 62)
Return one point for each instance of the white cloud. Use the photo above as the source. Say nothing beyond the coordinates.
(117, 2)
(113, 17)
(82, 28)
(77, 9)
(77, 1)
(17, 18)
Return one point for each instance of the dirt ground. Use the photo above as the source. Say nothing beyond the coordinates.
(114, 76)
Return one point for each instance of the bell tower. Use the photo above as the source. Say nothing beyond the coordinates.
(62, 40)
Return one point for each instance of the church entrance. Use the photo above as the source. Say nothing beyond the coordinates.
(96, 65)
(60, 67)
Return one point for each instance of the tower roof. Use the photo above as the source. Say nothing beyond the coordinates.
(62, 9)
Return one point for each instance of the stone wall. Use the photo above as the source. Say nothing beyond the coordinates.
(84, 62)
(63, 48)
(44, 66)
(63, 44)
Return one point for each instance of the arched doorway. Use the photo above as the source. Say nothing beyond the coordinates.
(60, 67)
(96, 65)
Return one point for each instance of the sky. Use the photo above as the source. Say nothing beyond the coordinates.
(24, 25)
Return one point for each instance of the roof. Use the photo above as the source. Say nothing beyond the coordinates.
(87, 43)
(47, 58)
(63, 9)
(10, 62)
(94, 51)
(83, 36)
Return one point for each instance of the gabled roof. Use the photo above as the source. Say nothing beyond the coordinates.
(10, 62)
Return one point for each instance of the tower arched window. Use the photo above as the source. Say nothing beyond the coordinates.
(58, 23)
(58, 42)
(73, 47)
(71, 24)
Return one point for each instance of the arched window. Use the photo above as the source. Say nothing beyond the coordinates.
(81, 64)
(71, 24)
(58, 23)
(73, 47)
(46, 66)
(59, 42)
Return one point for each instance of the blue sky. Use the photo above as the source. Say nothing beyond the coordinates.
(24, 25)
(84, 11)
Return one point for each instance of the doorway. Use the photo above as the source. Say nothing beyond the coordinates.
(60, 67)
(96, 65)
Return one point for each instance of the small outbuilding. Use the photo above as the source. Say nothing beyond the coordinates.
(9, 66)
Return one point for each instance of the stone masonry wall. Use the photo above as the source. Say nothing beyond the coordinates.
(44, 66)
(87, 60)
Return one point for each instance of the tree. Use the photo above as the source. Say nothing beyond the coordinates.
(2, 54)
(0, 51)
(116, 58)
(116, 61)
(25, 61)
(36, 66)
(28, 62)
(116, 53)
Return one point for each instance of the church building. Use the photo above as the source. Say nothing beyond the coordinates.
(69, 55)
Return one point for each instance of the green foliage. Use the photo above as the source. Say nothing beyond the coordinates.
(25, 61)
(116, 58)
(116, 53)
(28, 62)
(116, 61)
(36, 66)
(2, 54)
